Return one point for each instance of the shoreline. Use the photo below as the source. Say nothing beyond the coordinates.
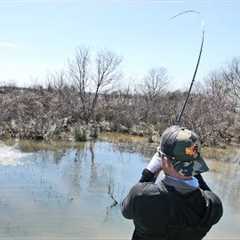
(135, 143)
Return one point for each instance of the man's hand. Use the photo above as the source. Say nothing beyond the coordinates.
(155, 165)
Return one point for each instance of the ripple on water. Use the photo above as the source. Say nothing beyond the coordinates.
(64, 194)
(10, 155)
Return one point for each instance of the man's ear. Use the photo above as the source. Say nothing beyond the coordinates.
(171, 165)
(166, 163)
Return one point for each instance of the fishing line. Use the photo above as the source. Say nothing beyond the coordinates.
(184, 12)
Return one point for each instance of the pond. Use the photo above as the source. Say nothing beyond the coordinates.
(68, 193)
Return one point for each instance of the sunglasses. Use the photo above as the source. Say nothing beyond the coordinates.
(192, 151)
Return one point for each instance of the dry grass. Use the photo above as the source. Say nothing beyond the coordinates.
(214, 153)
(219, 153)
(121, 137)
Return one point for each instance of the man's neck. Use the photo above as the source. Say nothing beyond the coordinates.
(179, 176)
(181, 185)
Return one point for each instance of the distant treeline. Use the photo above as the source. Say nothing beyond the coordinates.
(85, 98)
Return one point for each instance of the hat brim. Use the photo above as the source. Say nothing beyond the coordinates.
(199, 166)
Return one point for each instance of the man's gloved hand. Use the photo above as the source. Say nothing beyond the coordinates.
(155, 165)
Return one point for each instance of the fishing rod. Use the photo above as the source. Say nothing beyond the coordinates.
(178, 120)
(179, 116)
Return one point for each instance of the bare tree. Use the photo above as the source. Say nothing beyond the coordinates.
(106, 64)
(211, 111)
(232, 77)
(152, 88)
(79, 74)
(57, 80)
(90, 79)
(155, 82)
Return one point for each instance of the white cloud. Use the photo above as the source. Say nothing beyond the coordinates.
(4, 44)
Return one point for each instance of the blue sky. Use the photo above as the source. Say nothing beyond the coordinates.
(39, 36)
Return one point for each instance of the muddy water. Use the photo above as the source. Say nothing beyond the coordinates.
(67, 194)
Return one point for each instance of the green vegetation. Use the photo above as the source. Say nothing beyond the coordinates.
(80, 134)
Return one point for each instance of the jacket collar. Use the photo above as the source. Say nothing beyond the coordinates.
(182, 186)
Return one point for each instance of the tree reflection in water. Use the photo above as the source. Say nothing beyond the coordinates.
(78, 188)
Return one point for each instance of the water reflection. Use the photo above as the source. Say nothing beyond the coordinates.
(73, 192)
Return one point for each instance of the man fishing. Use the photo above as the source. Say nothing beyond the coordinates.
(179, 205)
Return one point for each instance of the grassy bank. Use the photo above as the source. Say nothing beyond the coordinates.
(121, 137)
(215, 153)
(135, 142)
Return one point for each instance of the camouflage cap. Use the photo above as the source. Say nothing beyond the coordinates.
(182, 146)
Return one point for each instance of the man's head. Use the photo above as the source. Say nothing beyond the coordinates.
(182, 147)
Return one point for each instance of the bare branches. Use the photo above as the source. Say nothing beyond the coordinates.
(83, 93)
(78, 73)
(232, 76)
(57, 80)
(153, 87)
(155, 83)
(107, 64)
(90, 84)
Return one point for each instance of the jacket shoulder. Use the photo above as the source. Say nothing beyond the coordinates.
(141, 194)
(148, 189)
(214, 207)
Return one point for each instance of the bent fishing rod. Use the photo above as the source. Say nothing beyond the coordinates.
(179, 116)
